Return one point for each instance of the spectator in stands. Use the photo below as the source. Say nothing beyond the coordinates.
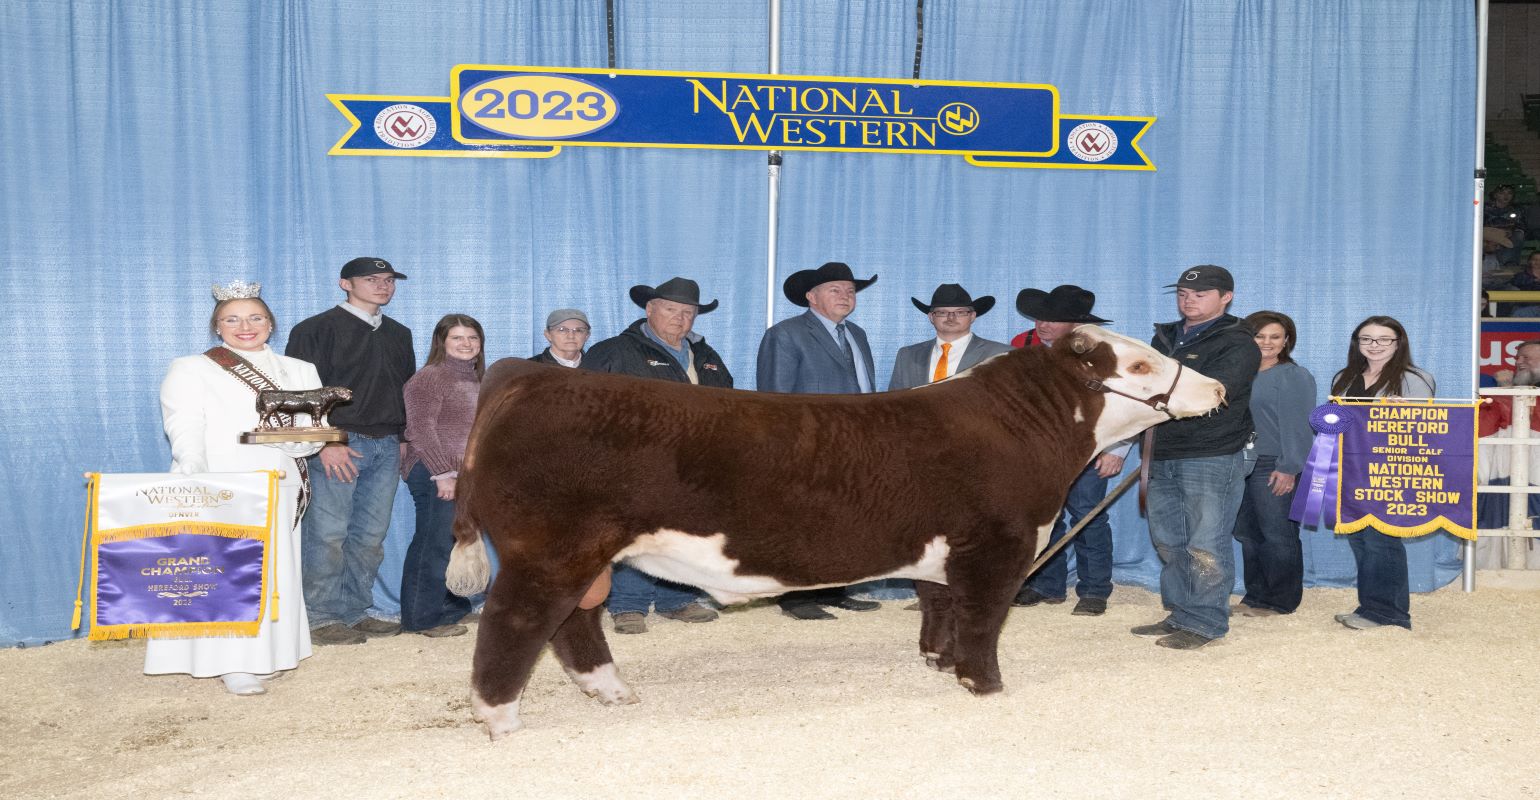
(1503, 216)
(1379, 364)
(1527, 280)
(1282, 396)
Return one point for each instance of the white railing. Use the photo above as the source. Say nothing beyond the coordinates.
(1512, 454)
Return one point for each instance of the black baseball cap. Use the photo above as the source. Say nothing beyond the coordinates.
(369, 265)
(1205, 277)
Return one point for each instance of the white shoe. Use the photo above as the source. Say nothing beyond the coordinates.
(243, 683)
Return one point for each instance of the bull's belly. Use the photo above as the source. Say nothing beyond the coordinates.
(701, 561)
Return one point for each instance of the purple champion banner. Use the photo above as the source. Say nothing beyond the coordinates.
(1406, 469)
(184, 578)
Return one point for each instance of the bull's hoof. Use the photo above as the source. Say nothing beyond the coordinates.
(981, 688)
(500, 720)
(939, 664)
(603, 683)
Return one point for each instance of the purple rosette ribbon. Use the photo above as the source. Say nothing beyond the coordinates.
(1320, 480)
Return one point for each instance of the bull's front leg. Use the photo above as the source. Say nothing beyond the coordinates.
(516, 623)
(982, 586)
(936, 625)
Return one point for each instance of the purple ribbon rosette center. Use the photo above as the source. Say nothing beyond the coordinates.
(1320, 480)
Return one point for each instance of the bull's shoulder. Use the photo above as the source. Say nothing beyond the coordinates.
(506, 370)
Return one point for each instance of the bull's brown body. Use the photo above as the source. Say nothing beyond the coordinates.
(567, 469)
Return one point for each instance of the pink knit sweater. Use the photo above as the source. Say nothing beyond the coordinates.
(440, 406)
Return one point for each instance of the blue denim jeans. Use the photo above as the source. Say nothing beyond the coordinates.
(634, 590)
(425, 602)
(1093, 545)
(345, 527)
(1192, 505)
(1383, 593)
(1272, 559)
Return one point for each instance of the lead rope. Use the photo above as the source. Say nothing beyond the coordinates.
(1054, 548)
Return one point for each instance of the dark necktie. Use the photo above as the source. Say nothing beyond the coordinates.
(850, 355)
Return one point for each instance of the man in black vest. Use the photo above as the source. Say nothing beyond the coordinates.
(354, 484)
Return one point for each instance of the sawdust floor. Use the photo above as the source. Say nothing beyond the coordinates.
(760, 706)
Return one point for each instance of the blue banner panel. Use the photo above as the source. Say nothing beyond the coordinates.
(413, 126)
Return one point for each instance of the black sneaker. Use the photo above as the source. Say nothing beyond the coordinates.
(1183, 640)
(335, 633)
(376, 628)
(854, 604)
(1029, 596)
(1162, 628)
(1090, 607)
(806, 611)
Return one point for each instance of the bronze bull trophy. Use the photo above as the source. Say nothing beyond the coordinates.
(276, 410)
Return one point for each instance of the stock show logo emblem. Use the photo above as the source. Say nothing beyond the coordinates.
(405, 126)
(958, 119)
(1092, 141)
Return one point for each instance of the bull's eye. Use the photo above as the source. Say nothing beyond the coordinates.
(1139, 368)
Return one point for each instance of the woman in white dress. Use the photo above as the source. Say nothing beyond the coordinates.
(205, 408)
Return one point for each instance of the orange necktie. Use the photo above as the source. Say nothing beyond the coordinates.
(946, 349)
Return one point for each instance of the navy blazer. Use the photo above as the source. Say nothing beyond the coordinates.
(912, 366)
(799, 355)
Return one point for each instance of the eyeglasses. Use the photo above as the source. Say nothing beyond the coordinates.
(256, 320)
(571, 331)
(1383, 341)
(959, 314)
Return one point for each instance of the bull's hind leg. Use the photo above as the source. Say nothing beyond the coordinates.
(516, 622)
(936, 626)
(580, 647)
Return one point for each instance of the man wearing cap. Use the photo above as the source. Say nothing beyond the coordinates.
(663, 345)
(354, 485)
(951, 312)
(1057, 313)
(1198, 468)
(819, 352)
(566, 329)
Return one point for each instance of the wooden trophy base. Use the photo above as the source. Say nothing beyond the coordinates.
(270, 435)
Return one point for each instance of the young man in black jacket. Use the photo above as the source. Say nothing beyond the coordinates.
(662, 345)
(1198, 467)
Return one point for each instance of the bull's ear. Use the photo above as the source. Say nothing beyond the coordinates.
(1080, 343)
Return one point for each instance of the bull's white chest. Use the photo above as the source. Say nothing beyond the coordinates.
(701, 561)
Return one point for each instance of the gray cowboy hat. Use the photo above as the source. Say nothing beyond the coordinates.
(803, 281)
(951, 295)
(679, 290)
(1067, 303)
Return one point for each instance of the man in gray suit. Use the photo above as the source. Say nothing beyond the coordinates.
(819, 352)
(952, 312)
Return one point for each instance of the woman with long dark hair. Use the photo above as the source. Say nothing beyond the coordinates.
(440, 406)
(1281, 399)
(1379, 365)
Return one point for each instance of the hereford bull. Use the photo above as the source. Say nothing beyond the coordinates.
(747, 495)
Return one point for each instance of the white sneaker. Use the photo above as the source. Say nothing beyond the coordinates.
(243, 683)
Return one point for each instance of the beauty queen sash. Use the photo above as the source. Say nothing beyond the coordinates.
(176, 556)
(247, 373)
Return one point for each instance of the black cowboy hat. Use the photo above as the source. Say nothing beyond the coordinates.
(1067, 303)
(951, 295)
(679, 290)
(803, 281)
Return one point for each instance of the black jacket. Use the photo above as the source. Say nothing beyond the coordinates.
(1226, 352)
(632, 353)
(545, 357)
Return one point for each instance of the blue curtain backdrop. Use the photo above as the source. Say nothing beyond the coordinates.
(1321, 150)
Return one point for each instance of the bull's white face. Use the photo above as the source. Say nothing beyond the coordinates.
(1142, 372)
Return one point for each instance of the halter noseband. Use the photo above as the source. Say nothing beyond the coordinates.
(1160, 402)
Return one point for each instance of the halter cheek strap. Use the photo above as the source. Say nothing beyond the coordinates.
(1160, 402)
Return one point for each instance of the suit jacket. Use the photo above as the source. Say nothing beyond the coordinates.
(799, 355)
(912, 366)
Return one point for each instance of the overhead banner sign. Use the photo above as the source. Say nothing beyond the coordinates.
(532, 112)
(1403, 468)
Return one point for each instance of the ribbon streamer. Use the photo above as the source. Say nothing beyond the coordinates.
(1320, 476)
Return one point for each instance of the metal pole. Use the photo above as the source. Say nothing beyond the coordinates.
(1468, 548)
(773, 229)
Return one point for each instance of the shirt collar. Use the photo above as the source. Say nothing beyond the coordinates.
(958, 345)
(374, 320)
(564, 362)
(680, 353)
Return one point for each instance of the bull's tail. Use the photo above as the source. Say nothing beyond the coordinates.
(469, 568)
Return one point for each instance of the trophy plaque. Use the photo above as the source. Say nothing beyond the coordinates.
(276, 409)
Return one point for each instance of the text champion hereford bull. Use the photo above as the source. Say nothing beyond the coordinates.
(748, 494)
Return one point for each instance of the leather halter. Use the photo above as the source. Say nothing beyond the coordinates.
(1160, 402)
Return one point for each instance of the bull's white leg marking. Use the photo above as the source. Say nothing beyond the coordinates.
(501, 720)
(603, 682)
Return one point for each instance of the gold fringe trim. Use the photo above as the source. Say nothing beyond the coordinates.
(1439, 522)
(176, 630)
(224, 529)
